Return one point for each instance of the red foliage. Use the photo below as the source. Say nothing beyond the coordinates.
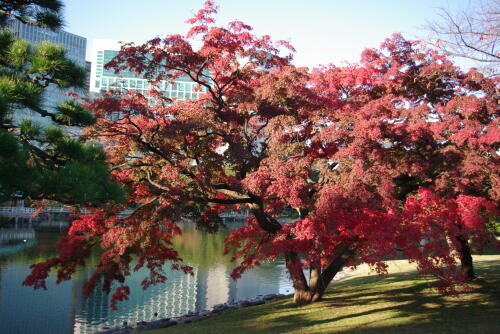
(396, 152)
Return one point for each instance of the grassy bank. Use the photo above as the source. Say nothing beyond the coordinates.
(403, 302)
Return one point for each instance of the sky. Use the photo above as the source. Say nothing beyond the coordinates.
(322, 31)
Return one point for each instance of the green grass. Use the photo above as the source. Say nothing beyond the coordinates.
(403, 302)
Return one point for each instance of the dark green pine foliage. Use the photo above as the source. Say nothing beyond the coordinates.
(44, 162)
(44, 13)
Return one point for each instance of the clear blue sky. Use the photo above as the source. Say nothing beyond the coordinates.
(322, 31)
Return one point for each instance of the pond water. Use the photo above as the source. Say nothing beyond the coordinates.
(63, 309)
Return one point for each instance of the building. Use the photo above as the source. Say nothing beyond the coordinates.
(76, 47)
(74, 44)
(88, 68)
(102, 80)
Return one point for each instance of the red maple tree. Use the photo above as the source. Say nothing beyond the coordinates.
(396, 152)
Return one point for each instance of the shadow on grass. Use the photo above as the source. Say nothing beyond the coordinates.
(399, 303)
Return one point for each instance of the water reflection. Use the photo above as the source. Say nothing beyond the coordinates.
(62, 308)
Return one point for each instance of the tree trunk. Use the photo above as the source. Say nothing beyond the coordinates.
(316, 284)
(302, 293)
(318, 281)
(466, 257)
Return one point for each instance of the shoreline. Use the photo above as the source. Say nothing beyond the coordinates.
(217, 309)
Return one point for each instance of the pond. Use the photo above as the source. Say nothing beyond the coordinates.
(63, 309)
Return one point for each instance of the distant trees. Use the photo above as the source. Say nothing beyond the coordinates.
(472, 33)
(394, 152)
(40, 162)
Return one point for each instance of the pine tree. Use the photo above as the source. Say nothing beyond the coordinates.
(44, 162)
(44, 13)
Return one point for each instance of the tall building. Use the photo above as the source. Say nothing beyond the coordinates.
(74, 44)
(88, 67)
(102, 80)
(76, 47)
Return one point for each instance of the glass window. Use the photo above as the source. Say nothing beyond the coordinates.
(139, 83)
(173, 94)
(181, 86)
(174, 86)
(104, 81)
(132, 84)
(97, 84)
(181, 95)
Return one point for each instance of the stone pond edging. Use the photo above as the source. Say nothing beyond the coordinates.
(202, 315)
(192, 316)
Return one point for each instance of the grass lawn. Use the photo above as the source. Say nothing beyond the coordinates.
(402, 302)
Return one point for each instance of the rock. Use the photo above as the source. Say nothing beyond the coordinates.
(162, 323)
(271, 296)
(219, 308)
(251, 302)
(198, 318)
(204, 313)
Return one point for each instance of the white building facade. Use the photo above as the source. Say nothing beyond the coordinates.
(102, 79)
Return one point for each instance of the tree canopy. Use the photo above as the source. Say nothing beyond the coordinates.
(43, 161)
(398, 151)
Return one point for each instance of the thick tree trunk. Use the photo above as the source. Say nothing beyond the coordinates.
(466, 257)
(302, 293)
(318, 281)
(316, 284)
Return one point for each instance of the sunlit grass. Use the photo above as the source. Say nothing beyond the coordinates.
(403, 302)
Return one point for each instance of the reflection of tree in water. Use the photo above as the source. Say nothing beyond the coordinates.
(210, 285)
(201, 249)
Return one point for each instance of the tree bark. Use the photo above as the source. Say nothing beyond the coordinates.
(319, 279)
(305, 292)
(302, 293)
(466, 257)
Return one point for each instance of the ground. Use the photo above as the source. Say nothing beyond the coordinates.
(403, 302)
